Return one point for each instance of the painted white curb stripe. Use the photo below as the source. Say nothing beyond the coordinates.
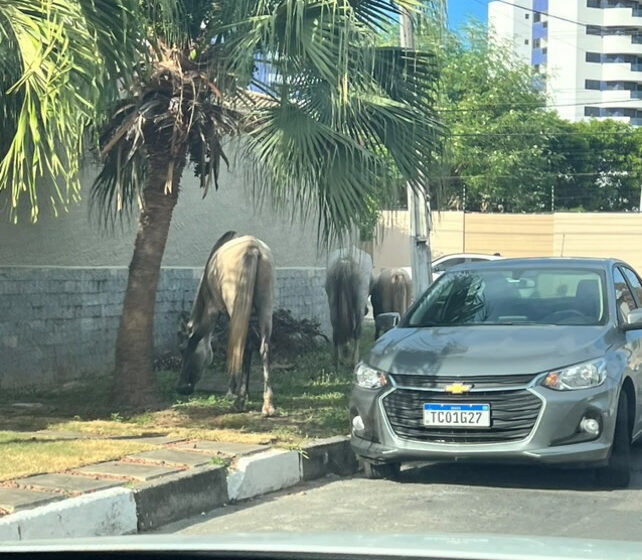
(105, 513)
(263, 472)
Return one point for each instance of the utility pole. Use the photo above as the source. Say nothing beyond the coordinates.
(418, 203)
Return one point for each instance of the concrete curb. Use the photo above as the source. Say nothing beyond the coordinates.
(103, 513)
(179, 496)
(262, 473)
(121, 511)
(328, 456)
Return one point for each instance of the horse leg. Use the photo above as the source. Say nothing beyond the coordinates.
(336, 351)
(244, 386)
(264, 306)
(355, 350)
(231, 387)
(355, 353)
(268, 407)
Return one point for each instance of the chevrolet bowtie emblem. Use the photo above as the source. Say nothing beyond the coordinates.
(458, 388)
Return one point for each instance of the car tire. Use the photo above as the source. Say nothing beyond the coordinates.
(380, 470)
(617, 473)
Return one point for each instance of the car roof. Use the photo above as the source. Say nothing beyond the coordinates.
(465, 255)
(543, 262)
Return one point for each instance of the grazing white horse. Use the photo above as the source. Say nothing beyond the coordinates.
(238, 278)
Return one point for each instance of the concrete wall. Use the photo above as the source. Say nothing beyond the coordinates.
(74, 239)
(563, 234)
(58, 324)
(392, 248)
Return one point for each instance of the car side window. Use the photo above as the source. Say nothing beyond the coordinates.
(449, 263)
(635, 284)
(624, 297)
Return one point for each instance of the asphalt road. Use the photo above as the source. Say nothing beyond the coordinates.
(453, 498)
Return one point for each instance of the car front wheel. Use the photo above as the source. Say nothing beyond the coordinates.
(617, 473)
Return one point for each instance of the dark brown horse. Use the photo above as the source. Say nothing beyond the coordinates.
(347, 284)
(238, 278)
(390, 292)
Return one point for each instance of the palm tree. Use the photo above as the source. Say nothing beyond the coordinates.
(52, 87)
(332, 110)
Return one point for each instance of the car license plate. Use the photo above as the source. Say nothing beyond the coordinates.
(457, 415)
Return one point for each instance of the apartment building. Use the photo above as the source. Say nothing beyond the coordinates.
(589, 52)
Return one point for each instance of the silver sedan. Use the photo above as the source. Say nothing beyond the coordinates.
(527, 360)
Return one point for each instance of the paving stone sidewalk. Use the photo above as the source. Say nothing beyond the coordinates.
(171, 455)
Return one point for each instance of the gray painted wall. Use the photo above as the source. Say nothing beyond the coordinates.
(74, 240)
(58, 324)
(62, 279)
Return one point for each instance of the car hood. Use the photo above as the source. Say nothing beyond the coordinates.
(487, 349)
(331, 546)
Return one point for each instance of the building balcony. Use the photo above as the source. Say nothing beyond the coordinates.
(616, 98)
(625, 44)
(624, 71)
(621, 16)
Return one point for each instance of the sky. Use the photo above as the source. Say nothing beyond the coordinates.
(459, 10)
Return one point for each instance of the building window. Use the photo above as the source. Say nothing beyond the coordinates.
(537, 43)
(593, 57)
(527, 16)
(545, 50)
(592, 84)
(526, 41)
(591, 111)
(537, 17)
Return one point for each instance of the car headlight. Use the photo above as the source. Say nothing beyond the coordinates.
(369, 378)
(579, 376)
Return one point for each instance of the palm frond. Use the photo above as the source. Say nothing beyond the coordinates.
(346, 108)
(52, 79)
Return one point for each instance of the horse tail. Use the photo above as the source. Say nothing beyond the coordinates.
(344, 284)
(240, 318)
(399, 288)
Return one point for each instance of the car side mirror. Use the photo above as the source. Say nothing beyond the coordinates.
(633, 320)
(387, 321)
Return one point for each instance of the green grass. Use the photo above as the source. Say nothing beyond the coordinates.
(24, 456)
(311, 400)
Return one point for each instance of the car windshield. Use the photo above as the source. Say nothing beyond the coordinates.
(510, 296)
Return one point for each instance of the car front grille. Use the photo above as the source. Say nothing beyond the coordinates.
(513, 415)
(438, 383)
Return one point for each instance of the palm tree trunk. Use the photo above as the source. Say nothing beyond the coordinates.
(134, 377)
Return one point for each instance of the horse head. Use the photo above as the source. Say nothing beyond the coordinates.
(197, 355)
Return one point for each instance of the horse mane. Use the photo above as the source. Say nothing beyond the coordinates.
(227, 236)
(203, 290)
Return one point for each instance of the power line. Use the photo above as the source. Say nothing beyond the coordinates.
(621, 174)
(574, 45)
(506, 134)
(539, 106)
(547, 14)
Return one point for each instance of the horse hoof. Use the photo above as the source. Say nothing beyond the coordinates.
(267, 411)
